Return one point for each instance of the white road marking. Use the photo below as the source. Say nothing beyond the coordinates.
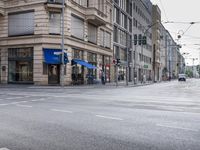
(4, 148)
(9, 98)
(109, 117)
(14, 103)
(37, 100)
(28, 106)
(176, 127)
(63, 111)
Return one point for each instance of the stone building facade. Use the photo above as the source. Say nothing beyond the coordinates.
(156, 38)
(142, 27)
(30, 41)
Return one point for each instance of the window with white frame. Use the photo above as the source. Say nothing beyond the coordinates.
(21, 23)
(105, 38)
(54, 23)
(77, 27)
(92, 33)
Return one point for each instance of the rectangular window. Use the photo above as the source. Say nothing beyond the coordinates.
(54, 23)
(107, 40)
(77, 27)
(77, 54)
(21, 23)
(20, 65)
(83, 3)
(92, 33)
(116, 52)
(101, 37)
(115, 34)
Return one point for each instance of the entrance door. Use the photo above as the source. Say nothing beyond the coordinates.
(54, 74)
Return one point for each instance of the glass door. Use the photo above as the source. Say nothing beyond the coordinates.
(54, 74)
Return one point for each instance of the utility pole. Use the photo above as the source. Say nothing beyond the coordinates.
(127, 60)
(135, 71)
(193, 66)
(63, 44)
(117, 64)
(170, 63)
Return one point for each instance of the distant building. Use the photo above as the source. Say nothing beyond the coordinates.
(164, 54)
(122, 39)
(142, 27)
(156, 38)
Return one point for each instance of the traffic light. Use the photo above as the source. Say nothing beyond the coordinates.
(114, 61)
(135, 39)
(118, 61)
(140, 39)
(144, 40)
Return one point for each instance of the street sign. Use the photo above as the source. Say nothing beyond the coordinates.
(57, 53)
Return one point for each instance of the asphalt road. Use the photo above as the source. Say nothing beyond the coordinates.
(163, 116)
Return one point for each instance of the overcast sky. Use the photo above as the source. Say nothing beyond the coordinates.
(183, 11)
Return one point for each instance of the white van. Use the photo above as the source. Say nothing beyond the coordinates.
(181, 77)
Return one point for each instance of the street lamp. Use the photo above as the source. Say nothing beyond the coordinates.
(63, 44)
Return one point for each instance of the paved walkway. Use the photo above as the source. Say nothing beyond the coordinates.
(107, 85)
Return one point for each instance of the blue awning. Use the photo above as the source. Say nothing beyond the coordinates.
(53, 56)
(84, 63)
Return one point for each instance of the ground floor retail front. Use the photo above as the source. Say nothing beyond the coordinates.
(41, 65)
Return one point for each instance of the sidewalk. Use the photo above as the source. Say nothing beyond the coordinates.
(107, 85)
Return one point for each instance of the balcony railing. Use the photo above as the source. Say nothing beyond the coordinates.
(95, 16)
(54, 3)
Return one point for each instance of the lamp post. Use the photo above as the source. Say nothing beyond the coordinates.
(63, 44)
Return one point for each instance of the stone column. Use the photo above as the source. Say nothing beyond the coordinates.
(85, 69)
(4, 65)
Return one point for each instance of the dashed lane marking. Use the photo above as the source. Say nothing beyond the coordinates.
(109, 117)
(37, 100)
(4, 149)
(14, 103)
(63, 111)
(10, 98)
(27, 106)
(177, 127)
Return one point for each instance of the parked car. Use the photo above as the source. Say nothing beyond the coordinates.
(181, 77)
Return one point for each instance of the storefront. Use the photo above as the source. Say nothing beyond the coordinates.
(104, 66)
(77, 69)
(83, 71)
(92, 73)
(20, 65)
(52, 64)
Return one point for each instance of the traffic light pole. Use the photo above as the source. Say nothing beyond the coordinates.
(142, 69)
(127, 65)
(135, 70)
(116, 75)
